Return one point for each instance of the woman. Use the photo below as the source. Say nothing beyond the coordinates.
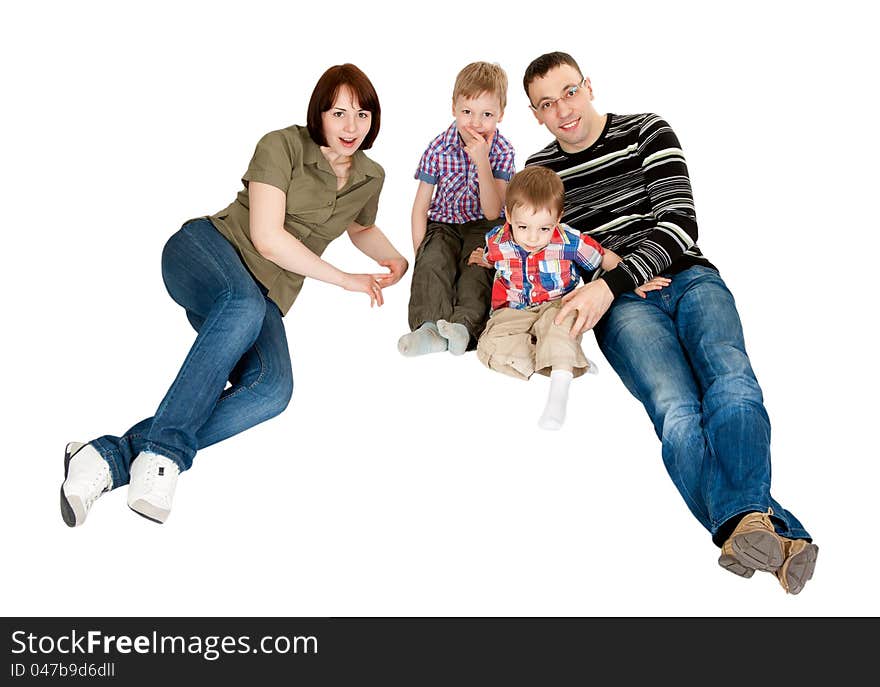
(236, 274)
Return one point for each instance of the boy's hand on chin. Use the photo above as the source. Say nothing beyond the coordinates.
(475, 145)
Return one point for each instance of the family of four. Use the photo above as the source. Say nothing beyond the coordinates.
(499, 260)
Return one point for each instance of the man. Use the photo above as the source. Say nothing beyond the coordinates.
(680, 350)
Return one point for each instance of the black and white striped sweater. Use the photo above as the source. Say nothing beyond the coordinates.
(630, 191)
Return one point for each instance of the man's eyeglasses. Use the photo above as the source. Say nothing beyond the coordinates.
(570, 93)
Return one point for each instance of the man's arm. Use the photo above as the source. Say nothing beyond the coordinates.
(675, 230)
(672, 205)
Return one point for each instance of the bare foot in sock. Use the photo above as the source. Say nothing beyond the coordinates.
(554, 412)
(456, 334)
(422, 341)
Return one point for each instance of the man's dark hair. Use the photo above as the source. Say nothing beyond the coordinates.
(543, 64)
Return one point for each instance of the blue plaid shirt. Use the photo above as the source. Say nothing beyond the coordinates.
(446, 163)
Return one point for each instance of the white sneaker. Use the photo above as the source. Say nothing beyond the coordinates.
(86, 477)
(151, 488)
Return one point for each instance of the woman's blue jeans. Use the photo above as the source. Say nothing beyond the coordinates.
(240, 339)
(681, 353)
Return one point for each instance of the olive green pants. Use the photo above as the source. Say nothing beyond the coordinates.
(444, 286)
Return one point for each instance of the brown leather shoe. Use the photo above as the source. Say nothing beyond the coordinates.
(755, 544)
(797, 569)
(729, 562)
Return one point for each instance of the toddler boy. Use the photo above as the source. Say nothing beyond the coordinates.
(537, 262)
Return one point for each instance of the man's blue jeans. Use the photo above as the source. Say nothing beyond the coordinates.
(240, 339)
(681, 353)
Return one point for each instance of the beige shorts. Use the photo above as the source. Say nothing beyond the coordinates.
(522, 342)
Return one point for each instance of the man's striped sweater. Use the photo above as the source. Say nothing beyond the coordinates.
(630, 191)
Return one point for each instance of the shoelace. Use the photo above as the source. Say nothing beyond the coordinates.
(97, 487)
(151, 474)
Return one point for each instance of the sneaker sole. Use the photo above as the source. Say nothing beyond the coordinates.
(798, 570)
(73, 512)
(758, 550)
(731, 564)
(149, 511)
(68, 514)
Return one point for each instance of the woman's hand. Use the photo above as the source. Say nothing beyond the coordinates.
(478, 257)
(397, 268)
(365, 283)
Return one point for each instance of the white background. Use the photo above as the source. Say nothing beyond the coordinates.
(397, 486)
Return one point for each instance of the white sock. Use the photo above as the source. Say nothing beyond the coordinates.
(456, 334)
(425, 339)
(554, 412)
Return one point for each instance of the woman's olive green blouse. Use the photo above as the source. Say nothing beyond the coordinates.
(316, 212)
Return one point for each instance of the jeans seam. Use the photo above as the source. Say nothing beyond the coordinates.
(680, 484)
(252, 385)
(748, 508)
(170, 454)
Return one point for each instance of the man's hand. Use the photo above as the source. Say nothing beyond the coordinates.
(591, 301)
(478, 257)
(397, 267)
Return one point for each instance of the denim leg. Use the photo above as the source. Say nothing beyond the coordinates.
(261, 384)
(736, 478)
(240, 338)
(681, 353)
(639, 340)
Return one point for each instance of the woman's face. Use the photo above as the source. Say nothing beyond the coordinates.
(345, 123)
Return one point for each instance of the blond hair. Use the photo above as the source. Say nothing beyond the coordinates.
(538, 188)
(481, 77)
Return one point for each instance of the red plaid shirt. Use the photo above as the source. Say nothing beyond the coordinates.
(446, 163)
(524, 279)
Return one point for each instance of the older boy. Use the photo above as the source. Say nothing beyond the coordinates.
(462, 179)
(537, 261)
(680, 352)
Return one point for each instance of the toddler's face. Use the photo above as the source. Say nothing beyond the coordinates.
(532, 229)
(477, 116)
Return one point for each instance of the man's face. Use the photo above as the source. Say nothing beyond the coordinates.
(561, 102)
(532, 229)
(478, 115)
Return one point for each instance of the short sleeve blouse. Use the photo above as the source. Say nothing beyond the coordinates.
(316, 212)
